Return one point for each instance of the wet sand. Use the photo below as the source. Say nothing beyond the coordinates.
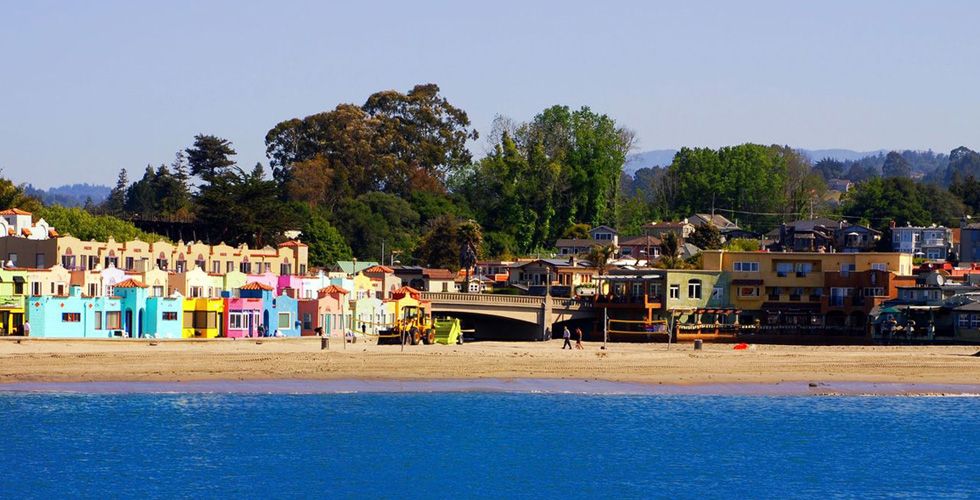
(795, 369)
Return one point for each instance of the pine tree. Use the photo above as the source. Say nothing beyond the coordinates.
(115, 204)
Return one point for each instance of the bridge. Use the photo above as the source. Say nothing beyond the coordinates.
(509, 315)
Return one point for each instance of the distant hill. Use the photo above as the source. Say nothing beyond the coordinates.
(71, 195)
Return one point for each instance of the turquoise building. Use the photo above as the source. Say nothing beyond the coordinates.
(145, 316)
(74, 316)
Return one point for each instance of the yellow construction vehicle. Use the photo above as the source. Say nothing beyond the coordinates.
(413, 325)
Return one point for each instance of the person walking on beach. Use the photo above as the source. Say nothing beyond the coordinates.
(567, 335)
(578, 339)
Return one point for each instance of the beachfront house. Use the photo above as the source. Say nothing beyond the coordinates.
(280, 314)
(327, 312)
(75, 316)
(146, 316)
(13, 290)
(203, 317)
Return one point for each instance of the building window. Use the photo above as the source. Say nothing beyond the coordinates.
(157, 291)
(71, 317)
(874, 292)
(694, 289)
(93, 290)
(746, 267)
(201, 264)
(285, 269)
(879, 266)
(197, 291)
(12, 258)
(285, 321)
(236, 321)
(245, 267)
(39, 261)
(216, 267)
(717, 293)
(674, 291)
(302, 269)
(170, 316)
(36, 289)
(18, 287)
(98, 320)
(445, 287)
(307, 321)
(129, 263)
(68, 262)
(181, 266)
(229, 266)
(783, 269)
(162, 264)
(748, 291)
(113, 320)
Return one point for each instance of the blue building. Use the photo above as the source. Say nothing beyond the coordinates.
(74, 315)
(279, 314)
(145, 316)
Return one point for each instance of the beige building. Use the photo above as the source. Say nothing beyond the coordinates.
(139, 256)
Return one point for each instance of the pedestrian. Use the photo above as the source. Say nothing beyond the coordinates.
(567, 335)
(931, 330)
(26, 328)
(578, 339)
(261, 330)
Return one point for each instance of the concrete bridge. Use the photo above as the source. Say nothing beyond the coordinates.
(510, 316)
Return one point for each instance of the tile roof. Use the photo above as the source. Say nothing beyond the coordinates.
(334, 289)
(406, 290)
(292, 244)
(640, 241)
(438, 274)
(130, 283)
(14, 211)
(255, 285)
(575, 242)
(379, 269)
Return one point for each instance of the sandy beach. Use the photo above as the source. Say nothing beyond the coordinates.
(44, 360)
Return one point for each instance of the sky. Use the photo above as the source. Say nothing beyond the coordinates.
(88, 88)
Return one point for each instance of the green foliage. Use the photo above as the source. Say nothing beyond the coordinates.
(742, 245)
(13, 196)
(829, 168)
(600, 255)
(115, 204)
(85, 226)
(577, 231)
(159, 194)
(210, 157)
(375, 218)
(440, 244)
(904, 201)
(706, 237)
(968, 190)
(896, 166)
(395, 143)
(326, 244)
(560, 169)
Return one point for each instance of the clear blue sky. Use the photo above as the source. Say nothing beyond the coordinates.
(87, 88)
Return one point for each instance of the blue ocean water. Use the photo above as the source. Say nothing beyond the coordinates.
(491, 445)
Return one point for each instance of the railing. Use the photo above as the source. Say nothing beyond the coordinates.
(514, 300)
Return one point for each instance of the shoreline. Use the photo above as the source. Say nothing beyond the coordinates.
(595, 387)
(931, 369)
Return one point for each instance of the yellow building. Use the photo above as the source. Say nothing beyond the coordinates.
(203, 317)
(796, 290)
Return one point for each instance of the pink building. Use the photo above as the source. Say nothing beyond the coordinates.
(328, 311)
(244, 316)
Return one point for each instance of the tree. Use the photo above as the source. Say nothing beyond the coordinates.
(326, 244)
(373, 220)
(600, 256)
(829, 168)
(968, 190)
(115, 204)
(743, 245)
(13, 196)
(395, 143)
(470, 238)
(706, 237)
(670, 251)
(896, 166)
(577, 231)
(904, 201)
(210, 156)
(85, 226)
(440, 245)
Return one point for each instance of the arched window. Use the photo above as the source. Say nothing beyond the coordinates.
(694, 289)
(200, 262)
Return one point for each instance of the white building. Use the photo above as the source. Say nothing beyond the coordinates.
(18, 223)
(932, 243)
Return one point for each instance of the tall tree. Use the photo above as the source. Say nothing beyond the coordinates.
(896, 166)
(115, 204)
(210, 156)
(470, 238)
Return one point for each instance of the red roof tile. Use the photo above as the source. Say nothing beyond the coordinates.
(130, 283)
(333, 289)
(406, 290)
(255, 285)
(379, 269)
(14, 211)
(292, 243)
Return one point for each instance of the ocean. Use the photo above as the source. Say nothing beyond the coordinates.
(486, 445)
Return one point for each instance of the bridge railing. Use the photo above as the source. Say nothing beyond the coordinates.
(486, 298)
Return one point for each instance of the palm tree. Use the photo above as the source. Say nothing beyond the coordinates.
(599, 256)
(469, 236)
(670, 250)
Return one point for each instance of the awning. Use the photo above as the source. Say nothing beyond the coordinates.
(747, 282)
(18, 279)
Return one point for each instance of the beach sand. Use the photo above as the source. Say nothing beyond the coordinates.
(49, 360)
